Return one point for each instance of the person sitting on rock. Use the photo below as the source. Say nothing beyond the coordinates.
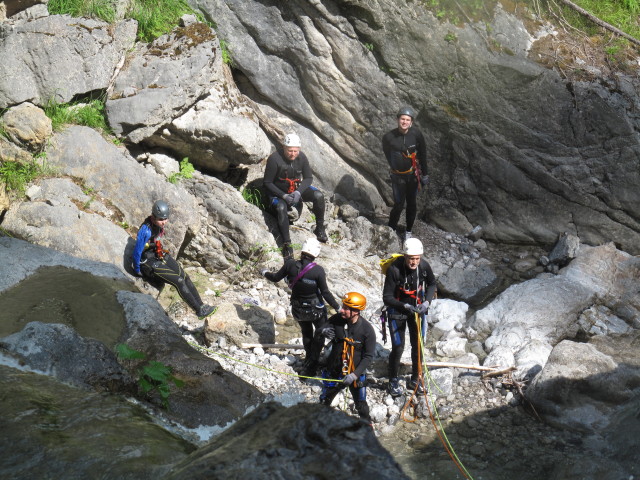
(152, 262)
(353, 346)
(308, 283)
(287, 179)
(409, 287)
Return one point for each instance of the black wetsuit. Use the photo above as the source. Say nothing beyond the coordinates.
(161, 266)
(363, 338)
(401, 286)
(398, 149)
(306, 300)
(282, 177)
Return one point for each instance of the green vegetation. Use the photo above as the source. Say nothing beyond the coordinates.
(253, 195)
(154, 17)
(89, 114)
(186, 171)
(3, 130)
(368, 46)
(226, 53)
(450, 37)
(16, 176)
(102, 9)
(151, 375)
(622, 14)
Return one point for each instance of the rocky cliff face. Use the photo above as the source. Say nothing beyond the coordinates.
(513, 146)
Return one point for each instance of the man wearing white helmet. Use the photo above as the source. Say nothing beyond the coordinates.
(287, 179)
(308, 283)
(405, 150)
(409, 287)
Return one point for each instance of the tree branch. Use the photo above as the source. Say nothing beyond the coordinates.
(602, 23)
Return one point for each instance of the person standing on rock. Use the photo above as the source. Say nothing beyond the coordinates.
(353, 346)
(308, 283)
(287, 179)
(406, 152)
(152, 262)
(409, 287)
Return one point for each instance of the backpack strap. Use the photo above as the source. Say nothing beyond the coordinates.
(309, 266)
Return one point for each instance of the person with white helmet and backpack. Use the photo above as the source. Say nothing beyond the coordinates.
(309, 292)
(405, 150)
(287, 180)
(409, 287)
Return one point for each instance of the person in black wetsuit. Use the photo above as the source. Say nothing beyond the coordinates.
(151, 261)
(287, 179)
(353, 346)
(409, 287)
(308, 283)
(405, 150)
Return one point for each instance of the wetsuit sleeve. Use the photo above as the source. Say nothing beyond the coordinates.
(280, 274)
(324, 290)
(144, 234)
(270, 172)
(369, 348)
(421, 151)
(431, 282)
(389, 290)
(386, 147)
(307, 174)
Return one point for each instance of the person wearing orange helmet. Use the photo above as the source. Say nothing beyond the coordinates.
(353, 345)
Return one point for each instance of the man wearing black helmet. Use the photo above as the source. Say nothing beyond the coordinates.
(151, 261)
(406, 152)
(287, 179)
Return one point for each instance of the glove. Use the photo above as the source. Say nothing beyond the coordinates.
(328, 332)
(263, 271)
(296, 197)
(288, 198)
(411, 308)
(424, 180)
(349, 379)
(423, 308)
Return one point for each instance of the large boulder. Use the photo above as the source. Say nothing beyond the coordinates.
(309, 441)
(162, 80)
(109, 172)
(547, 309)
(57, 57)
(587, 386)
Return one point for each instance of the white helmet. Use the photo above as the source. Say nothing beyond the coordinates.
(413, 246)
(291, 140)
(311, 247)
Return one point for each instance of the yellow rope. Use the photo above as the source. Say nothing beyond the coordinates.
(200, 347)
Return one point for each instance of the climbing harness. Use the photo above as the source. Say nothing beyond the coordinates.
(159, 250)
(292, 182)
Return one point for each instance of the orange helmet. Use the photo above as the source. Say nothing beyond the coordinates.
(354, 300)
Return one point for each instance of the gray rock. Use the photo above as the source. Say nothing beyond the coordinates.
(84, 154)
(240, 324)
(288, 433)
(58, 350)
(27, 126)
(565, 250)
(168, 76)
(472, 284)
(57, 57)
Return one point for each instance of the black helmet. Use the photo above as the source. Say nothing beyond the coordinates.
(160, 210)
(406, 110)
